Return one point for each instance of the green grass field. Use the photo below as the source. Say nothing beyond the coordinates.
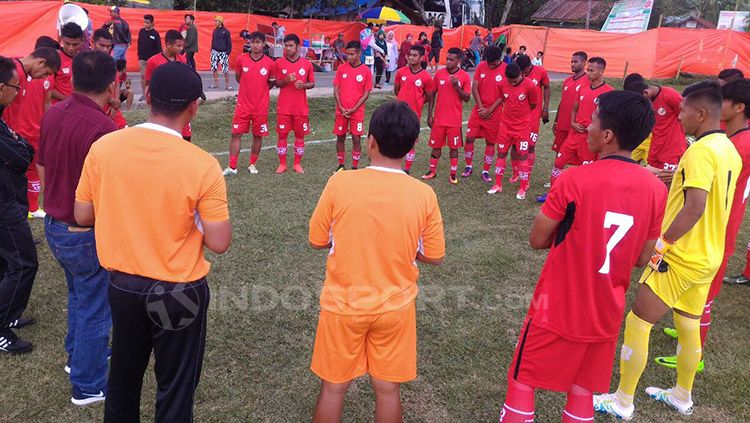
(264, 306)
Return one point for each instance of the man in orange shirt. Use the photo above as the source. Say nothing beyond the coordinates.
(367, 322)
(158, 290)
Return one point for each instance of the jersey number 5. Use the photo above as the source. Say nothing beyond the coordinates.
(623, 222)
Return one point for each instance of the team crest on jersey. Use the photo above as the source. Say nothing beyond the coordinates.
(662, 111)
(302, 72)
(481, 75)
(46, 84)
(245, 69)
(359, 78)
(28, 78)
(498, 78)
(565, 88)
(418, 82)
(66, 70)
(264, 71)
(522, 96)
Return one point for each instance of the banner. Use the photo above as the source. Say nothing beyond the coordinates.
(629, 16)
(729, 19)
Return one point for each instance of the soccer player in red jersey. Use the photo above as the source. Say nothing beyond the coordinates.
(351, 89)
(453, 88)
(256, 75)
(599, 222)
(520, 98)
(574, 150)
(295, 78)
(482, 123)
(71, 40)
(173, 46)
(538, 75)
(103, 42)
(416, 87)
(735, 113)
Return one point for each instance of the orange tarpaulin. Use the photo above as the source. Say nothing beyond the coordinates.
(657, 53)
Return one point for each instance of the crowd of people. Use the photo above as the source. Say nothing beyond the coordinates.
(143, 278)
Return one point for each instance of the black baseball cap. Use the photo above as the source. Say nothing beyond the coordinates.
(175, 83)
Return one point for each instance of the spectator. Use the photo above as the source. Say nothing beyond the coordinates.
(489, 39)
(436, 44)
(69, 129)
(120, 32)
(158, 289)
(339, 49)
(521, 52)
(427, 48)
(365, 40)
(18, 260)
(475, 45)
(279, 32)
(392, 56)
(191, 40)
(221, 48)
(381, 57)
(149, 44)
(508, 58)
(537, 61)
(88, 33)
(404, 50)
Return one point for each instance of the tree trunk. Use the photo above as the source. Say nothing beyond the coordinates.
(506, 11)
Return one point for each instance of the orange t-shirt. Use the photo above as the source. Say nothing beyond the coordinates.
(376, 219)
(150, 189)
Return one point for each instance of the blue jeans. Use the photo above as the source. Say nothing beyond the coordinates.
(89, 315)
(119, 50)
(477, 59)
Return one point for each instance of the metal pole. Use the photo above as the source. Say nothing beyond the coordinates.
(625, 73)
(588, 14)
(679, 68)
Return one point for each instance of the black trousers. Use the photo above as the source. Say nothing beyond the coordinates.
(190, 56)
(18, 265)
(168, 318)
(379, 66)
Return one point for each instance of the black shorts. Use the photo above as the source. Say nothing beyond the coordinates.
(434, 53)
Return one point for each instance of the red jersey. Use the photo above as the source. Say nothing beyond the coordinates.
(26, 119)
(448, 105)
(607, 211)
(253, 97)
(353, 83)
(488, 81)
(741, 141)
(588, 101)
(291, 100)
(13, 112)
(517, 111)
(570, 89)
(157, 60)
(413, 86)
(64, 76)
(540, 78)
(23, 81)
(668, 139)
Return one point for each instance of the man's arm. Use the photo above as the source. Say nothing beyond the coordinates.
(645, 255)
(57, 95)
(545, 104)
(84, 213)
(688, 216)
(338, 99)
(573, 123)
(361, 100)
(542, 231)
(40, 171)
(430, 98)
(217, 236)
(396, 85)
(475, 94)
(435, 262)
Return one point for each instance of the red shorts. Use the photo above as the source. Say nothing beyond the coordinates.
(242, 122)
(481, 128)
(664, 163)
(442, 136)
(354, 125)
(547, 361)
(507, 138)
(560, 135)
(285, 124)
(187, 131)
(119, 120)
(575, 150)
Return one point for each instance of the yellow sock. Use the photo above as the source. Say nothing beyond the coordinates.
(688, 351)
(633, 357)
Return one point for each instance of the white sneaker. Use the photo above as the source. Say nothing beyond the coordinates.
(547, 185)
(229, 171)
(665, 396)
(521, 195)
(608, 404)
(252, 169)
(39, 214)
(495, 189)
(81, 398)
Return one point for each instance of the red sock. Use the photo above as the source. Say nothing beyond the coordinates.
(514, 165)
(532, 160)
(580, 406)
(489, 154)
(454, 166)
(233, 161)
(499, 170)
(356, 155)
(705, 322)
(281, 151)
(433, 163)
(747, 262)
(556, 172)
(253, 158)
(523, 173)
(410, 156)
(299, 150)
(32, 193)
(519, 403)
(469, 154)
(341, 155)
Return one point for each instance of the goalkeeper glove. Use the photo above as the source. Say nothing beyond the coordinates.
(657, 256)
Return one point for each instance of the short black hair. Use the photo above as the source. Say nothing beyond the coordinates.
(418, 48)
(581, 54)
(738, 91)
(93, 71)
(7, 67)
(256, 35)
(730, 74)
(121, 64)
(492, 54)
(192, 18)
(421, 34)
(45, 41)
(171, 36)
(353, 44)
(395, 127)
(102, 33)
(293, 38)
(628, 115)
(274, 23)
(540, 52)
(523, 61)
(708, 92)
(512, 70)
(71, 30)
(148, 17)
(522, 48)
(599, 61)
(50, 56)
(457, 51)
(508, 50)
(634, 82)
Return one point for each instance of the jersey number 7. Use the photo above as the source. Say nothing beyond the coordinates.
(623, 222)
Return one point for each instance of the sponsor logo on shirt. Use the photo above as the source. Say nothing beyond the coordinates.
(236, 126)
(66, 70)
(481, 75)
(283, 71)
(344, 75)
(442, 82)
(662, 111)
(245, 69)
(359, 78)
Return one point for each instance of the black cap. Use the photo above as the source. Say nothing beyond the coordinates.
(176, 83)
